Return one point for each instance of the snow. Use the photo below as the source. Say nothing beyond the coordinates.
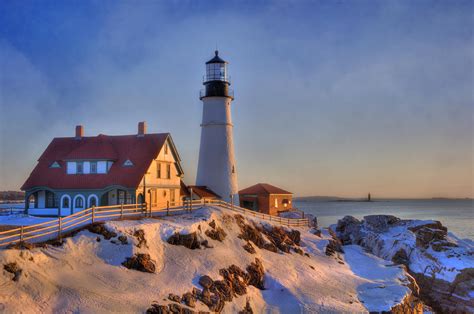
(22, 220)
(84, 275)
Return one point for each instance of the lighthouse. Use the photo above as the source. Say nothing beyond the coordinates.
(216, 168)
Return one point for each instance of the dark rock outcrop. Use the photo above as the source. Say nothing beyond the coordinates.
(249, 248)
(140, 262)
(190, 241)
(99, 228)
(217, 234)
(14, 269)
(247, 309)
(206, 281)
(256, 274)
(140, 235)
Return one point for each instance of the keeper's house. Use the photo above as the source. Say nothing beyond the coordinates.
(266, 198)
(79, 172)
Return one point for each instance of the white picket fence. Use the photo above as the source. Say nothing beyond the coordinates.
(59, 227)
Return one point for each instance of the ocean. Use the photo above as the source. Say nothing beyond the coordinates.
(457, 215)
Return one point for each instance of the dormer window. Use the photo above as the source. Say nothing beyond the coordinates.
(55, 165)
(93, 167)
(128, 163)
(79, 167)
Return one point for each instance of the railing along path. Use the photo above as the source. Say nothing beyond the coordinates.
(56, 228)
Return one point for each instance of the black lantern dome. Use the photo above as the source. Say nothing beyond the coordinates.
(216, 79)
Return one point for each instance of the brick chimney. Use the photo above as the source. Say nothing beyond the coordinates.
(79, 132)
(141, 128)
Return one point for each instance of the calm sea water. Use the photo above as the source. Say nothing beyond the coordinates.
(456, 215)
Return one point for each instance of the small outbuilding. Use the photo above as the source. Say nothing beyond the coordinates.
(265, 198)
(200, 192)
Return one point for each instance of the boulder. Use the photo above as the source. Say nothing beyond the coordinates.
(174, 298)
(217, 234)
(380, 223)
(348, 229)
(425, 235)
(247, 309)
(256, 274)
(223, 289)
(140, 235)
(428, 224)
(249, 248)
(123, 239)
(401, 257)
(140, 262)
(187, 240)
(14, 269)
(99, 228)
(189, 299)
(206, 281)
(158, 309)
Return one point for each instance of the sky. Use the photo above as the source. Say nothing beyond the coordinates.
(336, 98)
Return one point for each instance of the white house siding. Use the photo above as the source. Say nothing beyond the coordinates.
(161, 186)
(217, 168)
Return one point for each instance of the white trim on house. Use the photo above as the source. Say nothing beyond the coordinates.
(76, 209)
(61, 202)
(89, 200)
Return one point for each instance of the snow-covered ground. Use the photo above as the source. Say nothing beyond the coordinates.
(85, 275)
(22, 220)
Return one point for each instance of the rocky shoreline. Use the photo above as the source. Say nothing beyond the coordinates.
(441, 264)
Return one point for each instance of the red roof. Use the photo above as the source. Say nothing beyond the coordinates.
(203, 191)
(263, 188)
(140, 150)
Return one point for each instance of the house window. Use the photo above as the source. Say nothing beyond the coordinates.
(50, 201)
(166, 149)
(79, 167)
(65, 202)
(121, 197)
(93, 166)
(158, 170)
(172, 196)
(55, 165)
(276, 202)
(93, 201)
(168, 171)
(79, 202)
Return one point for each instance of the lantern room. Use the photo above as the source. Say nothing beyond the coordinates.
(216, 80)
(216, 69)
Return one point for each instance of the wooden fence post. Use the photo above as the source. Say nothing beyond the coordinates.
(93, 214)
(60, 228)
(121, 211)
(167, 208)
(21, 234)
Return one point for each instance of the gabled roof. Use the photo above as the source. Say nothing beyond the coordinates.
(140, 150)
(203, 191)
(184, 189)
(263, 188)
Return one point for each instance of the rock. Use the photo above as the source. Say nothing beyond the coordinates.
(212, 224)
(98, 239)
(217, 234)
(270, 247)
(295, 236)
(249, 248)
(256, 274)
(14, 269)
(189, 299)
(187, 240)
(174, 298)
(334, 245)
(236, 278)
(425, 235)
(298, 250)
(21, 246)
(247, 309)
(205, 297)
(348, 230)
(206, 244)
(175, 308)
(380, 223)
(316, 232)
(440, 246)
(158, 309)
(140, 235)
(401, 257)
(223, 289)
(99, 228)
(463, 283)
(123, 239)
(140, 262)
(206, 281)
(429, 224)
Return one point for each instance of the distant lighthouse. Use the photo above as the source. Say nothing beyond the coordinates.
(216, 168)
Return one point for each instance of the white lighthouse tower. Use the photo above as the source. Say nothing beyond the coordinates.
(217, 169)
